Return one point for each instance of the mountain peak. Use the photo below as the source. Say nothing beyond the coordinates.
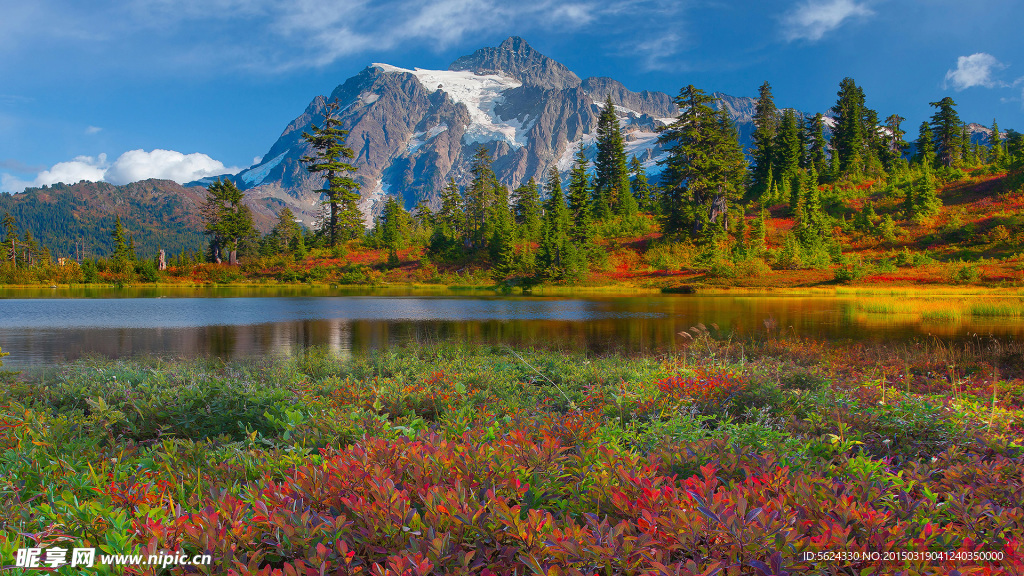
(516, 58)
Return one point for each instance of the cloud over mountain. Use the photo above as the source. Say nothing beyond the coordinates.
(131, 166)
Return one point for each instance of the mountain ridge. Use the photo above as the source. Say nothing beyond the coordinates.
(413, 130)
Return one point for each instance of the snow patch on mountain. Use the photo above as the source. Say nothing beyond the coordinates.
(256, 175)
(565, 161)
(368, 204)
(480, 93)
(420, 138)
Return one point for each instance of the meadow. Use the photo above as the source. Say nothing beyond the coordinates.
(769, 457)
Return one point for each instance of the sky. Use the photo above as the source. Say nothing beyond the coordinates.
(123, 90)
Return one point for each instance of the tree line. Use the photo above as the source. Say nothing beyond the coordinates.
(553, 230)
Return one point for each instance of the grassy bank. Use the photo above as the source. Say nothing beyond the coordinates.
(739, 456)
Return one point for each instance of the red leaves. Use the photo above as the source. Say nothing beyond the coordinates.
(705, 387)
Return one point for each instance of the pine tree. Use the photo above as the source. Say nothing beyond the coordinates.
(11, 237)
(874, 143)
(815, 210)
(502, 228)
(641, 187)
(759, 233)
(766, 121)
(705, 168)
(480, 200)
(908, 206)
(927, 203)
(528, 211)
(946, 126)
(34, 253)
(228, 221)
(579, 202)
(283, 237)
(327, 141)
(788, 147)
(995, 144)
(848, 139)
(611, 178)
(818, 146)
(895, 144)
(121, 252)
(449, 224)
(552, 256)
(771, 190)
(925, 146)
(393, 229)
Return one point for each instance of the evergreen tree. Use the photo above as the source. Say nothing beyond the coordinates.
(947, 127)
(759, 233)
(848, 138)
(34, 253)
(815, 210)
(641, 187)
(925, 146)
(818, 146)
(995, 144)
(611, 178)
(967, 153)
(10, 237)
(579, 202)
(771, 191)
(286, 233)
(874, 143)
(796, 192)
(502, 229)
(705, 168)
(927, 203)
(449, 233)
(329, 157)
(1014, 142)
(788, 147)
(766, 122)
(228, 220)
(895, 144)
(393, 229)
(528, 211)
(480, 200)
(422, 215)
(553, 255)
(121, 251)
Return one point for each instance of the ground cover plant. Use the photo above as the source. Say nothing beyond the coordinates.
(721, 457)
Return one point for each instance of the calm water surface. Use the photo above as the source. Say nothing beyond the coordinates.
(44, 327)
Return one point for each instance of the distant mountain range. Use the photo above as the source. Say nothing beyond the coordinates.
(77, 219)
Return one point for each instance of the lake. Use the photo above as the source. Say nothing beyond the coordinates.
(40, 327)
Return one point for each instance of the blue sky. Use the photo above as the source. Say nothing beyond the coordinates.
(131, 89)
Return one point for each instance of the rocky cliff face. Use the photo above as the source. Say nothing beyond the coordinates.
(412, 130)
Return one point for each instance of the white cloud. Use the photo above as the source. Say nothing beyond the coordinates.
(815, 18)
(93, 130)
(656, 53)
(81, 168)
(273, 36)
(136, 165)
(131, 166)
(9, 183)
(974, 70)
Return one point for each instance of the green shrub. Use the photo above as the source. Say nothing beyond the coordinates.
(965, 273)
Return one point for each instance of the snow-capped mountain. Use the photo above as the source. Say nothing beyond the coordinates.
(412, 130)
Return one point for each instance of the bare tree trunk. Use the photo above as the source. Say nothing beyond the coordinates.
(162, 262)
